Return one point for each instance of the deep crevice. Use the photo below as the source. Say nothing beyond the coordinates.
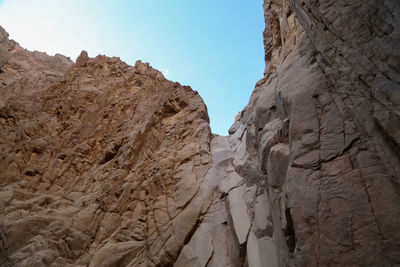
(289, 231)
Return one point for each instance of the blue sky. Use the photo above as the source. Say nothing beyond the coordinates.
(215, 46)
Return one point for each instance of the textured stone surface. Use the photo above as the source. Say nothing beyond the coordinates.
(101, 166)
(105, 164)
(24, 72)
(213, 242)
(238, 211)
(261, 252)
(322, 130)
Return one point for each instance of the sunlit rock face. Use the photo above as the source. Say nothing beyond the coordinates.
(101, 163)
(322, 132)
(106, 164)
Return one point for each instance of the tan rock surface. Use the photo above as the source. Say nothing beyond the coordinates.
(24, 72)
(105, 164)
(102, 166)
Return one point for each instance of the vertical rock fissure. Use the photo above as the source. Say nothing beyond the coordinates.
(289, 231)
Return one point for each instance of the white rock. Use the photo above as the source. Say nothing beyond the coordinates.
(261, 252)
(261, 213)
(197, 252)
(238, 212)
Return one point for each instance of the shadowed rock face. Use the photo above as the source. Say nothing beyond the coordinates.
(105, 164)
(322, 130)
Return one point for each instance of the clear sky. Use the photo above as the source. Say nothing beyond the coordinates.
(215, 46)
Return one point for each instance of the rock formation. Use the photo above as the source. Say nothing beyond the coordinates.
(102, 166)
(322, 131)
(105, 164)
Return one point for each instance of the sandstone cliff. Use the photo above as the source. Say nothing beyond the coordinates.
(105, 164)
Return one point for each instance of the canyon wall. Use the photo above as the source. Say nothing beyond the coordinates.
(322, 131)
(106, 164)
(102, 163)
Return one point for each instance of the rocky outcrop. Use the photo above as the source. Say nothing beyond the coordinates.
(24, 72)
(213, 243)
(101, 163)
(234, 231)
(105, 164)
(321, 130)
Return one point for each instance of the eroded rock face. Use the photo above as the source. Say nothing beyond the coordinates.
(321, 130)
(213, 243)
(24, 72)
(101, 163)
(105, 164)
